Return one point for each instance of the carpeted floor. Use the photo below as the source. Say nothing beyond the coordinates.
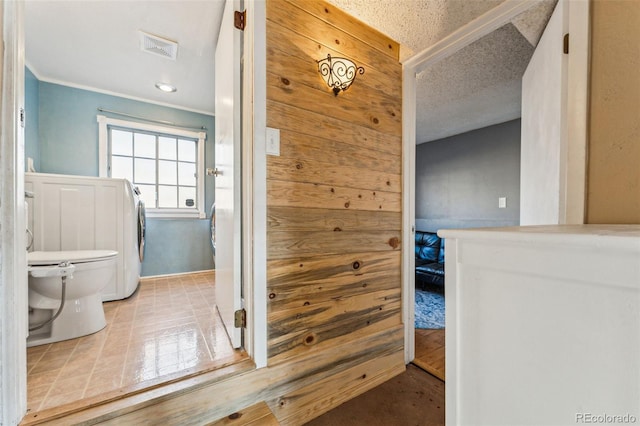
(413, 398)
(429, 312)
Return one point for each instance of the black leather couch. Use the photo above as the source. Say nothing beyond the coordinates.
(429, 258)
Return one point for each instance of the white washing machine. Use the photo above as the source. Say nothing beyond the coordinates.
(90, 213)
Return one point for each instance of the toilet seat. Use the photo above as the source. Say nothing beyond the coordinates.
(40, 258)
(82, 313)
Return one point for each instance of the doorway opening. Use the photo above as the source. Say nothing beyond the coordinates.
(467, 162)
(170, 328)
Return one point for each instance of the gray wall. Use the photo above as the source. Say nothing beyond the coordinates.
(460, 178)
(62, 137)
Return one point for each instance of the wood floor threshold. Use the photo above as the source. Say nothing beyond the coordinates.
(428, 368)
(430, 351)
(257, 415)
(113, 404)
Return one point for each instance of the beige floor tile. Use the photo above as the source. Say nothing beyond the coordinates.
(107, 377)
(43, 378)
(54, 400)
(36, 351)
(64, 347)
(115, 350)
(35, 396)
(80, 366)
(118, 338)
(49, 363)
(87, 353)
(168, 326)
(34, 405)
(113, 362)
(65, 385)
(95, 340)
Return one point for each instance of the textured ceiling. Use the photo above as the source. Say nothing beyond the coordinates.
(532, 22)
(416, 24)
(479, 85)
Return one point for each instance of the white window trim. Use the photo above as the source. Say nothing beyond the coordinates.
(103, 161)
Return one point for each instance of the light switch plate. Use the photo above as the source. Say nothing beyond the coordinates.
(273, 141)
(502, 202)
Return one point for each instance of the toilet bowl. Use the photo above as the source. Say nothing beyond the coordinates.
(86, 273)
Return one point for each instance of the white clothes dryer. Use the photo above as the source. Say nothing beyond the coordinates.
(134, 230)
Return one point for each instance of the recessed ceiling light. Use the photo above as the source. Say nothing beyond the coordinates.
(166, 87)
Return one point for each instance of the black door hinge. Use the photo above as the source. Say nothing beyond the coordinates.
(565, 44)
(240, 318)
(240, 19)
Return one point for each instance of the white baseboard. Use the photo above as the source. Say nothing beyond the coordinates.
(152, 277)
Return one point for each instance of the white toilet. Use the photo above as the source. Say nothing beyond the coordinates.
(86, 273)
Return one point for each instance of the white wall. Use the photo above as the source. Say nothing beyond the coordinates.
(542, 132)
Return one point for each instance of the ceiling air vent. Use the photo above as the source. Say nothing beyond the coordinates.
(158, 45)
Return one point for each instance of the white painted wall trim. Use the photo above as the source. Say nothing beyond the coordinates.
(575, 169)
(467, 34)
(13, 258)
(255, 160)
(103, 138)
(178, 274)
(408, 208)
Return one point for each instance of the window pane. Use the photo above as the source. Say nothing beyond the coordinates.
(167, 172)
(121, 142)
(122, 167)
(145, 145)
(187, 174)
(187, 193)
(145, 171)
(162, 166)
(167, 148)
(186, 150)
(167, 196)
(148, 195)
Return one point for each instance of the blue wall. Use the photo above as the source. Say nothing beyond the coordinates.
(32, 93)
(66, 142)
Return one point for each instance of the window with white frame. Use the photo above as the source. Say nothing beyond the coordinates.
(166, 164)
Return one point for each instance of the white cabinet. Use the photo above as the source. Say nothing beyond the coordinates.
(543, 325)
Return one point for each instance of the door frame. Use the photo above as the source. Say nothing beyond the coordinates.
(573, 172)
(254, 169)
(254, 181)
(13, 253)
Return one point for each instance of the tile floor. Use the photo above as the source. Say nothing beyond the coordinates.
(168, 328)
